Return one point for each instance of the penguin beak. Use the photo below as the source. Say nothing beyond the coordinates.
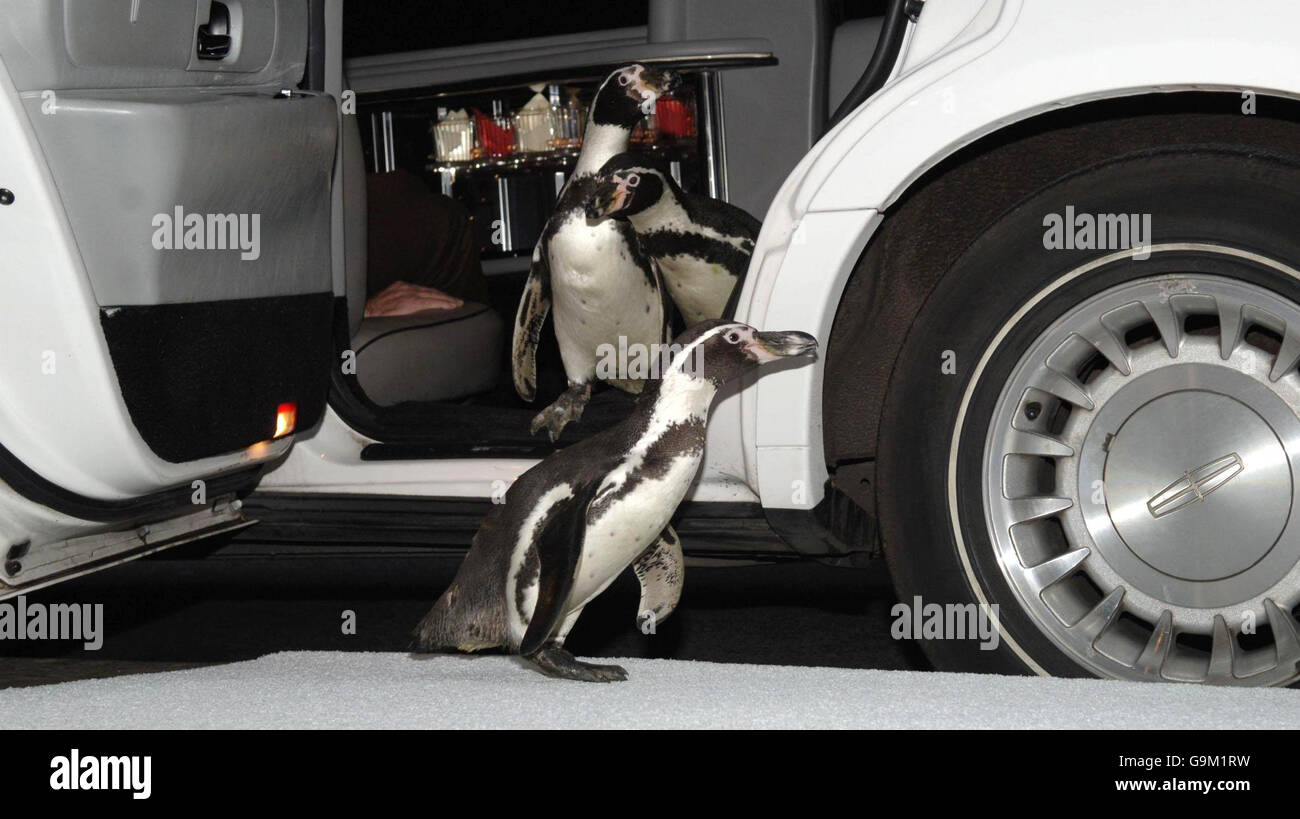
(609, 199)
(781, 344)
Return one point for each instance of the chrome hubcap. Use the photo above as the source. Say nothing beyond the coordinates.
(1140, 481)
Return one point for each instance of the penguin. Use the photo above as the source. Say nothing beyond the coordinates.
(702, 245)
(572, 523)
(594, 277)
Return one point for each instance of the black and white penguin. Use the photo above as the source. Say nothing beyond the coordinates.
(594, 277)
(702, 245)
(571, 524)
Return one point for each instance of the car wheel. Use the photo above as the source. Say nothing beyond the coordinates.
(1105, 443)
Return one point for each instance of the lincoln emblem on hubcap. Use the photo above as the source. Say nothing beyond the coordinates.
(1195, 484)
(1149, 397)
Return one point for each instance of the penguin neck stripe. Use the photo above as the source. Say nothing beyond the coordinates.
(666, 211)
(670, 221)
(687, 352)
(601, 143)
(681, 404)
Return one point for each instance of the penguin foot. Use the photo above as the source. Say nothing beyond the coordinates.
(556, 662)
(567, 408)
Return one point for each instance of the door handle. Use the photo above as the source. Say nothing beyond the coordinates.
(214, 35)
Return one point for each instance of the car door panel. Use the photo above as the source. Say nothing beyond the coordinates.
(142, 349)
(131, 170)
(64, 44)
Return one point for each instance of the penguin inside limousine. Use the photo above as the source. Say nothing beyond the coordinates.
(571, 524)
(593, 277)
(701, 244)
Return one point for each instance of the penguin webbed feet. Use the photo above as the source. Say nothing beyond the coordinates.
(566, 409)
(554, 661)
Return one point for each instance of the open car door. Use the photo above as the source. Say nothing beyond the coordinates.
(165, 182)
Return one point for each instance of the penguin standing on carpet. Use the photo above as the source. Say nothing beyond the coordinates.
(702, 245)
(594, 277)
(571, 524)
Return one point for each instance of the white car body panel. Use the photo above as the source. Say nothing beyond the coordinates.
(329, 461)
(969, 68)
(71, 425)
(53, 320)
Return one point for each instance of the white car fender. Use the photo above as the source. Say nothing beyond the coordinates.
(1004, 61)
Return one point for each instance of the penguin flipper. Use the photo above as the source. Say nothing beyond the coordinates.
(659, 570)
(559, 547)
(534, 305)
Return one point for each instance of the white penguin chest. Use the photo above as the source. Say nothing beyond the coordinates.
(620, 532)
(599, 293)
(699, 288)
(580, 252)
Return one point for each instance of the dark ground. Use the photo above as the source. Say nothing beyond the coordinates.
(184, 609)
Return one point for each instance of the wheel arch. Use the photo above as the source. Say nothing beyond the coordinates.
(900, 255)
(1014, 65)
(912, 247)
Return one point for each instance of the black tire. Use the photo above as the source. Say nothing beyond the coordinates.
(1222, 196)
